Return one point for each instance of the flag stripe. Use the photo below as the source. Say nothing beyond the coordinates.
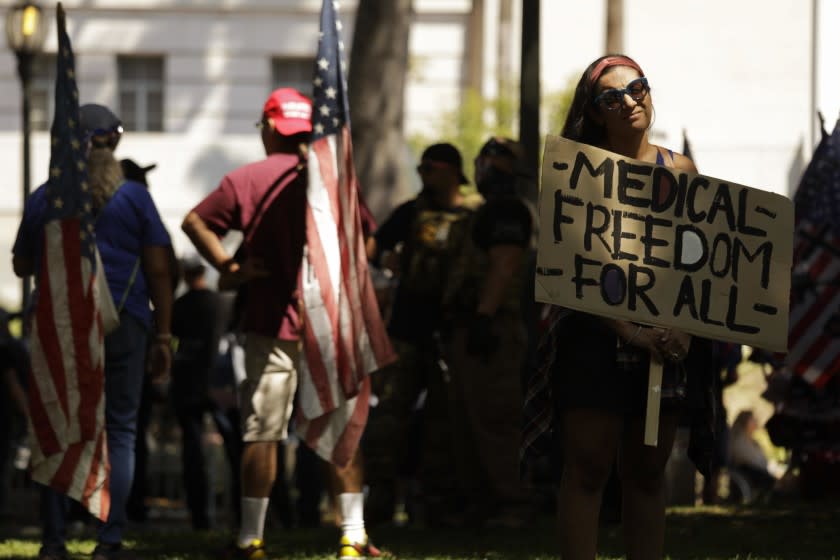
(45, 331)
(67, 403)
(344, 339)
(80, 309)
(828, 372)
(64, 327)
(354, 427)
(814, 339)
(807, 315)
(349, 223)
(62, 479)
(326, 238)
(40, 425)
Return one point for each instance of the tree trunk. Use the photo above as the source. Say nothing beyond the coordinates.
(378, 65)
(615, 26)
(529, 92)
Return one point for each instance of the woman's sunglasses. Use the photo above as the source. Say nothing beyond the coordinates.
(613, 99)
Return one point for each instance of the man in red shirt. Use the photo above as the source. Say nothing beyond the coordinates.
(266, 201)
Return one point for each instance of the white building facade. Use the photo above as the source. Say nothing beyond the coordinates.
(189, 77)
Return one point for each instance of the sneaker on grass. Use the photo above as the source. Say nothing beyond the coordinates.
(254, 551)
(348, 550)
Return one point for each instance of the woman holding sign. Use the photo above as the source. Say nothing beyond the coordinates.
(600, 372)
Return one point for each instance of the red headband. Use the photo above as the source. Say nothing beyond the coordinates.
(610, 61)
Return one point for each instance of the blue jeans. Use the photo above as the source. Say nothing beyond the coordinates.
(125, 357)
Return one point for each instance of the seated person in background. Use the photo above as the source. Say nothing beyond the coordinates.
(747, 456)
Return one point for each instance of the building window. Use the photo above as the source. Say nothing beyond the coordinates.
(293, 72)
(42, 91)
(141, 92)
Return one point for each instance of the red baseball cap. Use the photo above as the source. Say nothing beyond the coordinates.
(290, 110)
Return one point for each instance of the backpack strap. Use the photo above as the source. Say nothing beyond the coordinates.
(134, 270)
(131, 280)
(238, 255)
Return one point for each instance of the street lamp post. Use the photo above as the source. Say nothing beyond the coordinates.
(25, 32)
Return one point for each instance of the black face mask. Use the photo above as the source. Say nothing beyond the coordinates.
(496, 182)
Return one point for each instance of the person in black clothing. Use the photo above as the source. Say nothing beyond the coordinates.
(487, 341)
(197, 322)
(414, 243)
(14, 366)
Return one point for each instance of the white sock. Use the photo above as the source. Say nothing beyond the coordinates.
(352, 506)
(253, 520)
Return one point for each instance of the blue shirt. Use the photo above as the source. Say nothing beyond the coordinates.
(127, 223)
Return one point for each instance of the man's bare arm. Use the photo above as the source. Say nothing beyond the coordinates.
(206, 242)
(208, 245)
(159, 281)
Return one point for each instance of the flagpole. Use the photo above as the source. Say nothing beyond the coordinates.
(814, 70)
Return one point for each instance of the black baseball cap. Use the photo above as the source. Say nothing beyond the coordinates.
(134, 172)
(446, 153)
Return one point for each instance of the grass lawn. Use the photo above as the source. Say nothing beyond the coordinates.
(803, 531)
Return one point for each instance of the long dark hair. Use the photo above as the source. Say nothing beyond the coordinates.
(579, 125)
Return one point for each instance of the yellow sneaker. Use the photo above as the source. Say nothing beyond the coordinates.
(348, 550)
(254, 551)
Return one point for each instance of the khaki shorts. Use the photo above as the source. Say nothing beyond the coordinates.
(268, 392)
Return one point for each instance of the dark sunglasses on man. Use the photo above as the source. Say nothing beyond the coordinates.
(429, 166)
(613, 99)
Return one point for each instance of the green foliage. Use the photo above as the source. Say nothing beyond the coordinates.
(470, 125)
(476, 119)
(557, 105)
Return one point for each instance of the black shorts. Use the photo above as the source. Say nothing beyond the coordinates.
(619, 389)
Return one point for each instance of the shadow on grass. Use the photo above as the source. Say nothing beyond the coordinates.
(760, 533)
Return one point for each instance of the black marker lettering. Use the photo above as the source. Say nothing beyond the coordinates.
(686, 297)
(637, 289)
(559, 217)
(605, 169)
(625, 183)
(592, 229)
(579, 280)
(722, 201)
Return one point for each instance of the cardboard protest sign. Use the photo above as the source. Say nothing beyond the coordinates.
(632, 240)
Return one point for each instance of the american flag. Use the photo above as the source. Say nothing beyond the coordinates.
(814, 340)
(66, 391)
(344, 338)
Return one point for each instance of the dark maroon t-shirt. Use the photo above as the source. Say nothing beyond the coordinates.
(274, 219)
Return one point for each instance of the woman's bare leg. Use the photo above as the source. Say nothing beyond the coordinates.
(590, 444)
(642, 469)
